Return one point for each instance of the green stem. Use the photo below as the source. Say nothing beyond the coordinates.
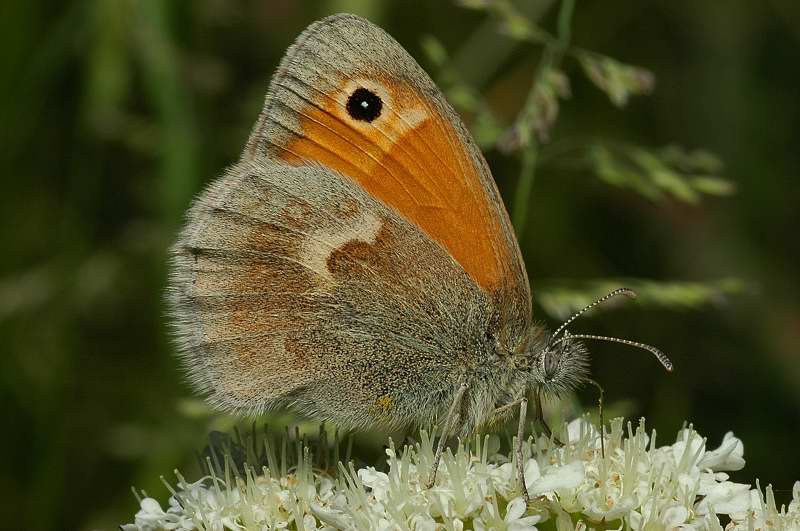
(522, 196)
(565, 22)
(551, 58)
(179, 151)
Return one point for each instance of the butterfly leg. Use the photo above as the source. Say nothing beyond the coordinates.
(540, 417)
(523, 409)
(449, 422)
(502, 409)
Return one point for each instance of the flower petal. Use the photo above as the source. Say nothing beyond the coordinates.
(559, 477)
(515, 509)
(725, 498)
(727, 457)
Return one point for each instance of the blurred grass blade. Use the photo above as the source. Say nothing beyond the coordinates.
(178, 146)
(656, 173)
(618, 80)
(561, 298)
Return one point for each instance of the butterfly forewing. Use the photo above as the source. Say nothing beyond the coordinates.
(415, 155)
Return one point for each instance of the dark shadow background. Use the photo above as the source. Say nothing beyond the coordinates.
(114, 113)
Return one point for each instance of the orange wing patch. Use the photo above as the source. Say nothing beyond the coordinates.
(411, 159)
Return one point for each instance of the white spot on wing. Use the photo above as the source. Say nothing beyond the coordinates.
(322, 243)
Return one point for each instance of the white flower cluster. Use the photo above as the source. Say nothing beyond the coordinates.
(622, 482)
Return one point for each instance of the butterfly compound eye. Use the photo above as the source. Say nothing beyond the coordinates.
(550, 365)
(364, 105)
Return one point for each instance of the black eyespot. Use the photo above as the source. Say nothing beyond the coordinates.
(364, 105)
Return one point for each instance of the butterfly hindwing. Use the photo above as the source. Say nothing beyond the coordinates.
(292, 286)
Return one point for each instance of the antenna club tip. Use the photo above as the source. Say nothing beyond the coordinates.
(628, 292)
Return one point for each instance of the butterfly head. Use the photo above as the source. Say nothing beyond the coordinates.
(559, 362)
(560, 365)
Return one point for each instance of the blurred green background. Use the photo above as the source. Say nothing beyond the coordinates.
(114, 113)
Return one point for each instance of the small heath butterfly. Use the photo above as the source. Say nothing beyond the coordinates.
(357, 264)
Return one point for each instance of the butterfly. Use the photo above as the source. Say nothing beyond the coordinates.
(357, 264)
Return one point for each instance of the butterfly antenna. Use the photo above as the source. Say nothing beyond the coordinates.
(621, 291)
(644, 346)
